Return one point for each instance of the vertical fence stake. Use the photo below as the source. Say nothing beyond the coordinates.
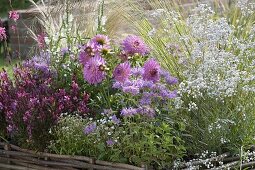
(7, 147)
(92, 162)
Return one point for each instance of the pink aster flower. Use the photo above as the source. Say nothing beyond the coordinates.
(14, 15)
(87, 51)
(133, 44)
(2, 34)
(101, 40)
(151, 70)
(122, 72)
(94, 70)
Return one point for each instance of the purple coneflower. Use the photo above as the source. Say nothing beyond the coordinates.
(122, 72)
(94, 70)
(151, 71)
(133, 44)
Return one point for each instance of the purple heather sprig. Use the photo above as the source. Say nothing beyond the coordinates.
(2, 34)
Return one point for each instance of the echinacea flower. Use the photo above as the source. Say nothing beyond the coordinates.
(122, 72)
(151, 71)
(2, 34)
(133, 44)
(94, 70)
(14, 15)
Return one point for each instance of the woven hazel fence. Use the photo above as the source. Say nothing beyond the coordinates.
(14, 157)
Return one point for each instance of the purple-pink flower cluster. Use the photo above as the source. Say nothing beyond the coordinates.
(2, 34)
(91, 57)
(31, 100)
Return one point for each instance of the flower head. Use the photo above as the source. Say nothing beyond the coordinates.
(110, 142)
(133, 44)
(14, 15)
(87, 51)
(122, 72)
(151, 70)
(90, 128)
(101, 40)
(2, 34)
(94, 70)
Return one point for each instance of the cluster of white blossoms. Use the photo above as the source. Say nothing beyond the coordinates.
(220, 64)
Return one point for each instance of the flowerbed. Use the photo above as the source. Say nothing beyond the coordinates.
(152, 100)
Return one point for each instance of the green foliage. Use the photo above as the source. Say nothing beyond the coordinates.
(215, 123)
(137, 141)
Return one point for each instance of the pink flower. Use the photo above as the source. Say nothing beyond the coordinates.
(134, 44)
(2, 34)
(151, 70)
(122, 72)
(101, 40)
(87, 51)
(94, 70)
(41, 40)
(14, 15)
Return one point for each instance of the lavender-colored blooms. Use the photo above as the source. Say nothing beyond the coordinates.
(137, 71)
(2, 34)
(117, 85)
(94, 70)
(146, 99)
(131, 89)
(110, 142)
(39, 62)
(64, 51)
(151, 71)
(134, 44)
(146, 111)
(122, 72)
(115, 120)
(90, 128)
(168, 78)
(128, 112)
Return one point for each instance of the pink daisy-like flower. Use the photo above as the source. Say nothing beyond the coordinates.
(14, 15)
(87, 52)
(2, 34)
(151, 70)
(134, 44)
(122, 72)
(101, 40)
(94, 70)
